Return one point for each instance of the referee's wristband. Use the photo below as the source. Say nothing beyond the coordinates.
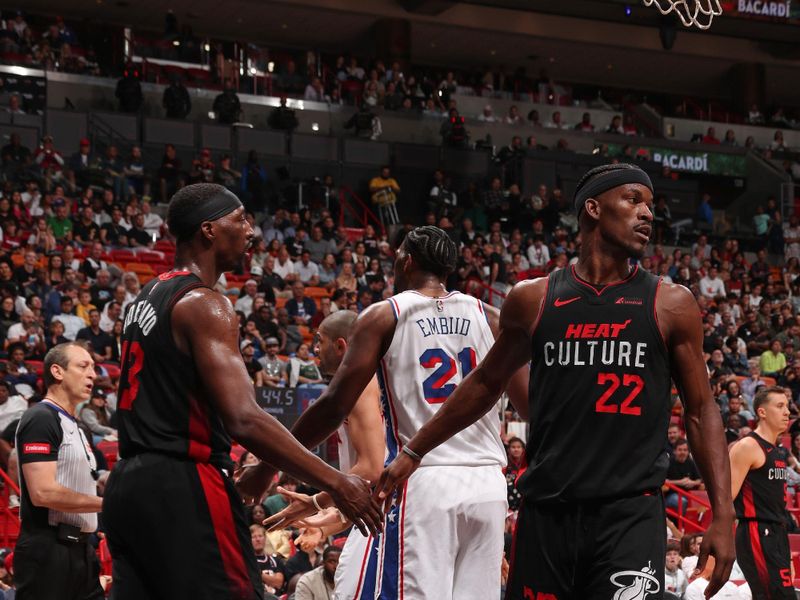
(411, 453)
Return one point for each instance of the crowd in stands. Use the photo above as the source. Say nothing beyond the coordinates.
(81, 234)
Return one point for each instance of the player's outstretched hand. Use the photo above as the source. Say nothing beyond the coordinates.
(300, 507)
(393, 476)
(252, 482)
(717, 542)
(353, 496)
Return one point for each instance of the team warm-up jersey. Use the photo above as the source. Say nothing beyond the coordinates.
(762, 497)
(436, 343)
(161, 406)
(599, 391)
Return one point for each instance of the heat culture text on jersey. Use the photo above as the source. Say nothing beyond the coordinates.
(589, 344)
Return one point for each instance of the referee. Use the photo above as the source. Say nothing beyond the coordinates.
(53, 557)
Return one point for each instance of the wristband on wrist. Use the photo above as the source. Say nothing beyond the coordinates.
(316, 503)
(411, 453)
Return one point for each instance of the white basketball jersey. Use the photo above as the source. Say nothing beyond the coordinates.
(437, 342)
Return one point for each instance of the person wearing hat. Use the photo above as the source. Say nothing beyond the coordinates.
(202, 168)
(248, 294)
(96, 415)
(487, 116)
(275, 374)
(81, 164)
(59, 504)
(49, 161)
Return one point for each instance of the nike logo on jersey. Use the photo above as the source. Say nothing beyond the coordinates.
(559, 302)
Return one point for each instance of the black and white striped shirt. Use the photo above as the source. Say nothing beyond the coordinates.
(47, 433)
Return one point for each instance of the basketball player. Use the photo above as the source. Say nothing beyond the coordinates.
(176, 525)
(443, 534)
(362, 451)
(603, 337)
(758, 479)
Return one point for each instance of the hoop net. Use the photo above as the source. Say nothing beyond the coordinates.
(692, 13)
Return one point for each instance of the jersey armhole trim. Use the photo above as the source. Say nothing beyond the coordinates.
(483, 312)
(541, 307)
(655, 315)
(395, 308)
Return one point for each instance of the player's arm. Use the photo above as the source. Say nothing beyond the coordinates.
(745, 454)
(366, 435)
(477, 394)
(205, 326)
(681, 326)
(517, 388)
(372, 333)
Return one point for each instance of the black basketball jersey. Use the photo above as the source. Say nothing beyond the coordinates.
(161, 407)
(599, 392)
(763, 492)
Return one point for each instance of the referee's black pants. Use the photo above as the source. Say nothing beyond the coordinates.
(46, 568)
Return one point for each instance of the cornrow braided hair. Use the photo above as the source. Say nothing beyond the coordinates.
(432, 249)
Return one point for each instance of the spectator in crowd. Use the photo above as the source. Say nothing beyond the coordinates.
(307, 270)
(254, 368)
(513, 117)
(83, 166)
(176, 101)
(487, 116)
(303, 370)
(317, 584)
(138, 236)
(12, 405)
(711, 286)
(300, 307)
(555, 121)
(151, 221)
(704, 218)
(275, 503)
(135, 175)
(271, 566)
(675, 580)
(615, 126)
(384, 190)
(288, 331)
(170, 176)
(244, 303)
(99, 341)
(129, 90)
(586, 124)
(253, 182)
(773, 361)
(49, 161)
(227, 106)
(71, 322)
(96, 415)
(275, 369)
(227, 175)
(282, 117)
(27, 333)
(711, 137)
(730, 139)
(682, 472)
(314, 91)
(202, 168)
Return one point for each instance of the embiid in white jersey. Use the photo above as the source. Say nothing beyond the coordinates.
(443, 534)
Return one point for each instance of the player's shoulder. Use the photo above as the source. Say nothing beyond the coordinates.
(675, 296)
(746, 449)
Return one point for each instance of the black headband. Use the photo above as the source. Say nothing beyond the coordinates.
(215, 207)
(610, 179)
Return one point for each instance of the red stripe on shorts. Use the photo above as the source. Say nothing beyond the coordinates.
(230, 549)
(363, 567)
(758, 556)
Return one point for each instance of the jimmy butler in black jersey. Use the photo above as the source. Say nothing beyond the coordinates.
(758, 479)
(604, 339)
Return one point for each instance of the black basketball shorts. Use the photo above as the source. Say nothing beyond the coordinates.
(762, 551)
(589, 550)
(177, 530)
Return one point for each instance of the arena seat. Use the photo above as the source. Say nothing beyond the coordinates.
(280, 302)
